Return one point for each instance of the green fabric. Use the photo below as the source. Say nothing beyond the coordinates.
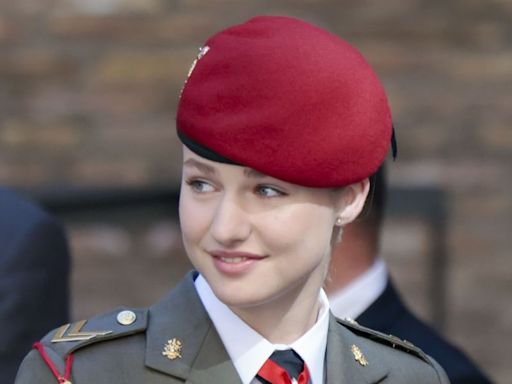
(133, 353)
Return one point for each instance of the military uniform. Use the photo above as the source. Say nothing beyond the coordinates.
(174, 341)
(291, 101)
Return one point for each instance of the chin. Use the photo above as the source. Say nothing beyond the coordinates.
(238, 297)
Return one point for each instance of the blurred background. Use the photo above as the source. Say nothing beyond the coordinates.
(88, 93)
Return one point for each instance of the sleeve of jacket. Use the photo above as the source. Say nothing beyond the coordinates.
(33, 370)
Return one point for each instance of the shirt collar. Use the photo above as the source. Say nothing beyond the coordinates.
(249, 350)
(352, 300)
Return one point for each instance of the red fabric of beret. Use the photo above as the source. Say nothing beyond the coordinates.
(289, 100)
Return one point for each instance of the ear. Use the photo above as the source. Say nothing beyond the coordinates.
(352, 201)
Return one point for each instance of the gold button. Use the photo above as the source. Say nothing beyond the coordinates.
(126, 317)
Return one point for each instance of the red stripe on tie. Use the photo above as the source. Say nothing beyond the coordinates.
(67, 370)
(275, 374)
(304, 376)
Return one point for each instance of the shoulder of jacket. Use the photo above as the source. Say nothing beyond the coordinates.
(109, 326)
(387, 340)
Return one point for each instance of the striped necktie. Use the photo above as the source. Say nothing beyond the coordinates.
(284, 367)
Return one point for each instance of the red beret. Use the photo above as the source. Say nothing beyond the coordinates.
(289, 100)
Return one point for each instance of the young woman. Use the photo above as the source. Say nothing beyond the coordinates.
(282, 125)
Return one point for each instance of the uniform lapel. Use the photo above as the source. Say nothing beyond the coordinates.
(213, 364)
(202, 356)
(341, 365)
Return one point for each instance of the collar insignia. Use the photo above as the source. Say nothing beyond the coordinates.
(172, 349)
(358, 356)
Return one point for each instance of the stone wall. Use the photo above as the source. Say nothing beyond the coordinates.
(88, 91)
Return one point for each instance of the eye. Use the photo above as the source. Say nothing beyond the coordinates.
(268, 191)
(200, 186)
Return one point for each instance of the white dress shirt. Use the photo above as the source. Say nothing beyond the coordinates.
(249, 350)
(356, 297)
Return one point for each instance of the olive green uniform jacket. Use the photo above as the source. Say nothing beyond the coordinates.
(108, 352)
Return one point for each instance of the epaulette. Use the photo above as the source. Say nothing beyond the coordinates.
(57, 348)
(108, 326)
(390, 340)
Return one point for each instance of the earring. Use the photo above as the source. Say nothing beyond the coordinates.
(339, 222)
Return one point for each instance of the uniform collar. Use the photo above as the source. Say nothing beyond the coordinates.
(249, 350)
(356, 297)
(204, 358)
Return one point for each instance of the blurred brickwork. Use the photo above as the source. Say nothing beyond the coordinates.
(88, 91)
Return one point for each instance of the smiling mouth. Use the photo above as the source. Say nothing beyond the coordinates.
(232, 260)
(233, 263)
(235, 257)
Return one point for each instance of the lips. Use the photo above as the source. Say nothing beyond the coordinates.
(233, 263)
(235, 257)
(233, 260)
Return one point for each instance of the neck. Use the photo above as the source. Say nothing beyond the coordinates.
(284, 319)
(350, 259)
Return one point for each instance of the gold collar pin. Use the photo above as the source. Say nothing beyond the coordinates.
(172, 349)
(358, 356)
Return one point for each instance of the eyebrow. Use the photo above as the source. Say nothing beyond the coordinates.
(249, 172)
(200, 166)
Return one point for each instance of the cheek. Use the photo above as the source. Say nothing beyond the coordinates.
(193, 221)
(302, 231)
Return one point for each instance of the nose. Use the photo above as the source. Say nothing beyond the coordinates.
(231, 224)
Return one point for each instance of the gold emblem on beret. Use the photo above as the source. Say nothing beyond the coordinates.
(202, 51)
(358, 355)
(172, 349)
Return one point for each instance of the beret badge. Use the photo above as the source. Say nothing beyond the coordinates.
(202, 51)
